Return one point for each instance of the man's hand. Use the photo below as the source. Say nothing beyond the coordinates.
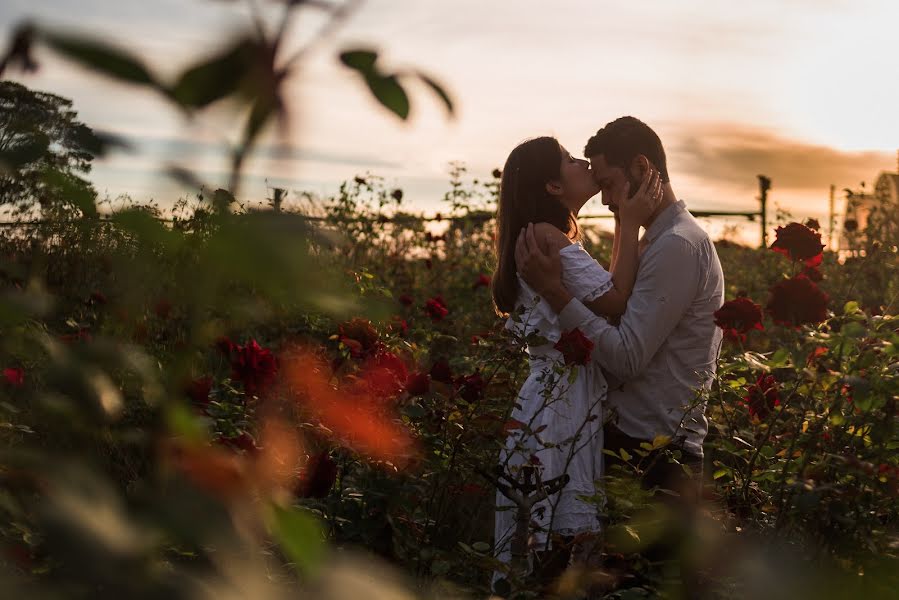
(541, 271)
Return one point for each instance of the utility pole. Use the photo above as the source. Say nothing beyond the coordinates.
(764, 186)
(831, 222)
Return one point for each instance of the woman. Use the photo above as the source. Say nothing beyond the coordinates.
(557, 421)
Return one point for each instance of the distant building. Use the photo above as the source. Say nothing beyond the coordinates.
(861, 205)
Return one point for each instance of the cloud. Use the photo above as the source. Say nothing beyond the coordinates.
(733, 154)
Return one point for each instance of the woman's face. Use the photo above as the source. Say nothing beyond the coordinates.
(576, 184)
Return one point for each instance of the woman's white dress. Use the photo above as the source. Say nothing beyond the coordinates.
(564, 417)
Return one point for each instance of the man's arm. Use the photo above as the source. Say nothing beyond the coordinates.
(665, 287)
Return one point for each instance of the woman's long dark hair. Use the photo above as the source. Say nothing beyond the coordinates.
(523, 199)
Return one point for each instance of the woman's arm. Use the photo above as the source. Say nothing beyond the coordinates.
(616, 242)
(624, 272)
(625, 248)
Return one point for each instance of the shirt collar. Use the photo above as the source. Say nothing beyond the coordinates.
(664, 221)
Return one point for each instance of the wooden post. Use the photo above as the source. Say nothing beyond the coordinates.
(831, 222)
(278, 195)
(764, 186)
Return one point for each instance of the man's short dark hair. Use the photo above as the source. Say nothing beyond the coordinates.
(624, 139)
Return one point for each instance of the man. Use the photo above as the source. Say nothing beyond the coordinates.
(666, 345)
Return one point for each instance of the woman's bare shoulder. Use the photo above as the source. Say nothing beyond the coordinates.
(550, 238)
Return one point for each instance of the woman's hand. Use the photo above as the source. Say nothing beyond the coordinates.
(636, 210)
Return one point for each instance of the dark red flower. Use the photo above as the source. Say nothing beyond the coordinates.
(440, 371)
(436, 308)
(575, 347)
(399, 325)
(762, 396)
(798, 242)
(254, 366)
(481, 281)
(318, 477)
(14, 377)
(418, 384)
(738, 317)
(796, 301)
(471, 387)
(198, 391)
(385, 374)
(360, 336)
(406, 300)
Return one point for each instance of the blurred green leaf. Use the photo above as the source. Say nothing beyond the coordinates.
(385, 88)
(301, 537)
(360, 60)
(390, 94)
(217, 77)
(101, 57)
(441, 93)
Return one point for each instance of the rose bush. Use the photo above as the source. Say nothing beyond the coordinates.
(380, 417)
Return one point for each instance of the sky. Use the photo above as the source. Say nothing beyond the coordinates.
(803, 91)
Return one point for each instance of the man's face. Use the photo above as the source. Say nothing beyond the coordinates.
(612, 181)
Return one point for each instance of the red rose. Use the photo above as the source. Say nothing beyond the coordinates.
(198, 391)
(738, 317)
(360, 336)
(796, 301)
(436, 308)
(385, 374)
(406, 300)
(471, 387)
(418, 384)
(254, 366)
(575, 347)
(399, 326)
(440, 371)
(798, 242)
(481, 281)
(319, 476)
(762, 396)
(14, 377)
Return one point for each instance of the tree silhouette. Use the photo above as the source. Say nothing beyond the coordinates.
(44, 153)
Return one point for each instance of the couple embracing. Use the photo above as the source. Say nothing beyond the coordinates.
(645, 328)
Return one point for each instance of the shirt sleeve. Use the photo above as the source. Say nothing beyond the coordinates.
(582, 276)
(666, 285)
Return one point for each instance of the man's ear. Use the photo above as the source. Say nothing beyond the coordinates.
(639, 166)
(554, 188)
